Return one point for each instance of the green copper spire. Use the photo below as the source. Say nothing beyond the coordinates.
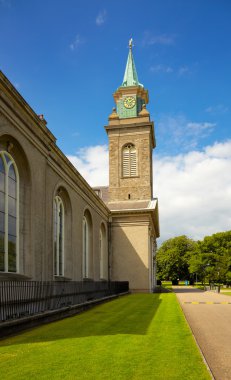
(130, 75)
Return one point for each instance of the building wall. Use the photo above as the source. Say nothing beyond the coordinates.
(133, 232)
(44, 171)
(131, 254)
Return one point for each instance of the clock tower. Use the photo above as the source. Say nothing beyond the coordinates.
(131, 140)
(134, 224)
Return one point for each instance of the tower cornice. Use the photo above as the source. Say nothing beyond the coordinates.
(123, 126)
(139, 91)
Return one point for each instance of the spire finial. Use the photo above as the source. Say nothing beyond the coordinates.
(131, 43)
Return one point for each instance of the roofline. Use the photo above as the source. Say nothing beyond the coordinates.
(19, 98)
(133, 210)
(151, 211)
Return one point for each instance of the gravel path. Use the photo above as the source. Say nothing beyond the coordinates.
(209, 316)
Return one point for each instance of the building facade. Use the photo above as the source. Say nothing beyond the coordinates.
(53, 225)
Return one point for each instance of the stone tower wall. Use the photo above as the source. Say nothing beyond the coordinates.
(139, 187)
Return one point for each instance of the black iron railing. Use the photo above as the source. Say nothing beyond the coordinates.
(24, 298)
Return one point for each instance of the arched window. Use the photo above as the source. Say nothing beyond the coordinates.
(129, 161)
(85, 248)
(9, 214)
(87, 263)
(103, 253)
(58, 237)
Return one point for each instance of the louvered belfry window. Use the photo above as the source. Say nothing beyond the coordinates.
(129, 161)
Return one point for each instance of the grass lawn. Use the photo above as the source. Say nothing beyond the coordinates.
(167, 285)
(226, 292)
(135, 337)
(201, 287)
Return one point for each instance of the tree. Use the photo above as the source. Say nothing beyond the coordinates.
(209, 259)
(173, 258)
(197, 265)
(212, 259)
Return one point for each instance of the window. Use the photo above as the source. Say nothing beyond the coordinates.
(87, 260)
(85, 247)
(103, 253)
(58, 237)
(129, 161)
(9, 214)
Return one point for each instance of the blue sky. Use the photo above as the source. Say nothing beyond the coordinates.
(66, 58)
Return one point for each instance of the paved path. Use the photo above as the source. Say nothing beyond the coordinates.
(209, 316)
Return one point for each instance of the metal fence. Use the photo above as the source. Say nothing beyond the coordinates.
(213, 287)
(24, 298)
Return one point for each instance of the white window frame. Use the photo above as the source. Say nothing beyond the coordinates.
(59, 205)
(6, 237)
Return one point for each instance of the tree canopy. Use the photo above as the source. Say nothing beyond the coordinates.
(173, 258)
(183, 258)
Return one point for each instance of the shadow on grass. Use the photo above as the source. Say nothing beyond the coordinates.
(126, 315)
(163, 289)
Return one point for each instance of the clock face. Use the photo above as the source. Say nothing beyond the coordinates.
(129, 102)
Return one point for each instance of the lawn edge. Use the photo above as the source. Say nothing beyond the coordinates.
(197, 344)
